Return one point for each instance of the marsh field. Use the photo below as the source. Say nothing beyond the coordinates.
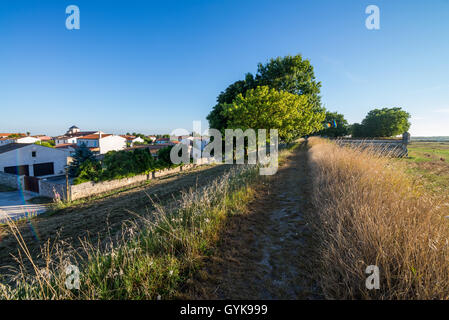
(429, 161)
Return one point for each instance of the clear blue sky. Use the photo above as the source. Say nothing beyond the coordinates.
(153, 66)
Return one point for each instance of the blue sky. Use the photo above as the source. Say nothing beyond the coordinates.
(154, 66)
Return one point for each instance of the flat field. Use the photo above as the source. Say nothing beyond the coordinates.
(429, 161)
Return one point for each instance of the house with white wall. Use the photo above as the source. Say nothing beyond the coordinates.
(25, 139)
(131, 140)
(102, 143)
(72, 135)
(32, 160)
(70, 148)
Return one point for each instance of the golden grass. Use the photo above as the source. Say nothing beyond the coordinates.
(368, 211)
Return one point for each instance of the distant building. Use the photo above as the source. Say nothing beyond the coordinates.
(22, 139)
(42, 137)
(102, 143)
(70, 148)
(73, 130)
(72, 135)
(163, 141)
(131, 140)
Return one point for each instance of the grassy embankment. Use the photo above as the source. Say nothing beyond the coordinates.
(368, 210)
(154, 257)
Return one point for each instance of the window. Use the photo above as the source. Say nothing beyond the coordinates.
(33, 154)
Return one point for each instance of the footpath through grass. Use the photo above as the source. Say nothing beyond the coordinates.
(152, 258)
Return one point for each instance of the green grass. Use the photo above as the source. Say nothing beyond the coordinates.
(428, 162)
(428, 151)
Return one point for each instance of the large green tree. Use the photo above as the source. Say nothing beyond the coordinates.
(335, 125)
(291, 74)
(386, 122)
(268, 108)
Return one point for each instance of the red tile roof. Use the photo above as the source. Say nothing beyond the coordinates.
(66, 145)
(94, 136)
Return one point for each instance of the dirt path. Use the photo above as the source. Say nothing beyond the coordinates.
(262, 253)
(99, 218)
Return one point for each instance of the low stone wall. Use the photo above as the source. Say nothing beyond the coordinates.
(11, 180)
(52, 190)
(392, 148)
(165, 172)
(88, 189)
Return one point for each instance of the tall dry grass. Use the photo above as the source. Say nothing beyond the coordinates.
(367, 211)
(152, 258)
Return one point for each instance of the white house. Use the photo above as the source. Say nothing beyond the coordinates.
(69, 148)
(102, 143)
(131, 140)
(32, 160)
(72, 135)
(26, 139)
(65, 140)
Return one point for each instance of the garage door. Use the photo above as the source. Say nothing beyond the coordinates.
(18, 170)
(43, 169)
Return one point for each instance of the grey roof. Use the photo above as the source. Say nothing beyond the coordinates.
(13, 146)
(73, 127)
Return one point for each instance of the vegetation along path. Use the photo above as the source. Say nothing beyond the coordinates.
(262, 254)
(99, 218)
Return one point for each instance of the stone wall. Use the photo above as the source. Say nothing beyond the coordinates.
(11, 180)
(88, 189)
(165, 172)
(52, 190)
(392, 148)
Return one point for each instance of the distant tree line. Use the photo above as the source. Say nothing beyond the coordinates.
(386, 122)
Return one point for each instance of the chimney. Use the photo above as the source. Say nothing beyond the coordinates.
(100, 135)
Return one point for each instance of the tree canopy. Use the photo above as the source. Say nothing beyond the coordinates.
(335, 125)
(290, 74)
(386, 122)
(267, 108)
(81, 158)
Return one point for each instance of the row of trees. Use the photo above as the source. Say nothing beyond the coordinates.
(386, 122)
(284, 94)
(116, 164)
